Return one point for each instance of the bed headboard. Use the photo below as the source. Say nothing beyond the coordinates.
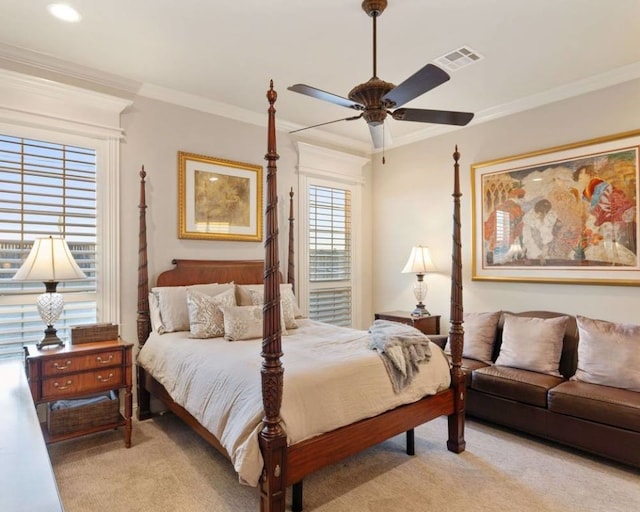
(188, 272)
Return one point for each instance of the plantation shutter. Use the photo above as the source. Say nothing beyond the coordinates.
(45, 189)
(330, 255)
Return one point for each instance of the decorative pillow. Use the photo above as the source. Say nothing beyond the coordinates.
(479, 335)
(205, 316)
(242, 322)
(243, 295)
(532, 343)
(286, 307)
(608, 353)
(172, 301)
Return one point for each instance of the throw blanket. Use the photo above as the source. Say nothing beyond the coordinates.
(402, 348)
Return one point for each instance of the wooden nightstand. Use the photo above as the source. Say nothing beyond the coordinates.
(79, 371)
(426, 324)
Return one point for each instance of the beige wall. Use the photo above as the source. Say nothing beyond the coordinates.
(154, 133)
(413, 204)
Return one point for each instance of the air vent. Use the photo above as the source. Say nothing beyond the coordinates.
(457, 59)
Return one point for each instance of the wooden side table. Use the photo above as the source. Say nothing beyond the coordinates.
(79, 371)
(426, 324)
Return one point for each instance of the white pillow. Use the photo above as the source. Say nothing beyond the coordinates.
(205, 315)
(154, 312)
(243, 295)
(286, 307)
(479, 335)
(172, 301)
(608, 353)
(533, 344)
(242, 322)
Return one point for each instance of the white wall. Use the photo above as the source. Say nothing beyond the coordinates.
(413, 205)
(154, 133)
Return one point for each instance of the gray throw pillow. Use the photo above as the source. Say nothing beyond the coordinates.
(608, 353)
(533, 344)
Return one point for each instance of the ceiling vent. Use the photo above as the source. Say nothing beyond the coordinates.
(457, 59)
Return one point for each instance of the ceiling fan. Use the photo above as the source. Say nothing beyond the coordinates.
(375, 98)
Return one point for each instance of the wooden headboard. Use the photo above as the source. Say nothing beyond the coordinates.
(188, 272)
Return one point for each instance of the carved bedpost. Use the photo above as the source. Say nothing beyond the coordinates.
(456, 442)
(143, 322)
(291, 274)
(273, 440)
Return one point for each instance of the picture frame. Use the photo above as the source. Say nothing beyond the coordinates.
(566, 214)
(219, 199)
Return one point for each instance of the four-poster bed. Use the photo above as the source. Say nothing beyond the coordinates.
(284, 463)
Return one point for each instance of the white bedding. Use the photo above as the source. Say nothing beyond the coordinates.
(331, 379)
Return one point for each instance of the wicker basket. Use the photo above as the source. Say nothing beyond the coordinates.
(81, 417)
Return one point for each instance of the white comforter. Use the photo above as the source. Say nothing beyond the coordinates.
(331, 379)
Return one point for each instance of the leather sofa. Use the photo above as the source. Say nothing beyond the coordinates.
(598, 419)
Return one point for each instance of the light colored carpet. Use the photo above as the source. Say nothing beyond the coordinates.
(169, 468)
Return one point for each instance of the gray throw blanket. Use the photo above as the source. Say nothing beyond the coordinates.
(402, 348)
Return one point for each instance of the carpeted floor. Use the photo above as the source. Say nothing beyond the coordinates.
(170, 469)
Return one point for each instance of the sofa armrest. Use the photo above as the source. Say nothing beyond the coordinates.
(439, 339)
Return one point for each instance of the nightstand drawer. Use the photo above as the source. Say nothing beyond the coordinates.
(88, 382)
(70, 364)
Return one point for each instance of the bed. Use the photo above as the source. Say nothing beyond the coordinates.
(279, 441)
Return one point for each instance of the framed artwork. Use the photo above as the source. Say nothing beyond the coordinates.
(567, 214)
(219, 199)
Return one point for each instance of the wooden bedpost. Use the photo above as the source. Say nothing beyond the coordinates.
(143, 321)
(456, 442)
(273, 440)
(291, 274)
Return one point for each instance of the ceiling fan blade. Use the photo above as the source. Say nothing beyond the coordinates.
(352, 118)
(325, 96)
(432, 116)
(380, 135)
(421, 81)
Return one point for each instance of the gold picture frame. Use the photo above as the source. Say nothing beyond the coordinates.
(219, 199)
(567, 214)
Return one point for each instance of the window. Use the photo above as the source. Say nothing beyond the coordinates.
(45, 189)
(329, 235)
(59, 175)
(330, 255)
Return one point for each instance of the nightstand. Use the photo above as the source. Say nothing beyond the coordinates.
(426, 324)
(80, 371)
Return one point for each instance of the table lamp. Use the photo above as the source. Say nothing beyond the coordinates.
(419, 263)
(49, 261)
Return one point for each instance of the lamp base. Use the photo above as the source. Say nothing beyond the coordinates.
(50, 339)
(420, 311)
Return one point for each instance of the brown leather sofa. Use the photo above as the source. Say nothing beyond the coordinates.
(598, 419)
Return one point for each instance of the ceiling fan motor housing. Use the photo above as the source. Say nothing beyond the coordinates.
(374, 7)
(370, 95)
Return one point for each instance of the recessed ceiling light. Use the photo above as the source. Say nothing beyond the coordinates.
(64, 12)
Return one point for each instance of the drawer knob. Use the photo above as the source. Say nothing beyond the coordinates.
(66, 385)
(104, 361)
(63, 366)
(105, 379)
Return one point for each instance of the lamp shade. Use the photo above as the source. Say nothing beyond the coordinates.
(419, 261)
(49, 260)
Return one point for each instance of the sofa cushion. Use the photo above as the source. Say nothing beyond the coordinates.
(533, 344)
(468, 366)
(602, 404)
(479, 335)
(608, 354)
(515, 384)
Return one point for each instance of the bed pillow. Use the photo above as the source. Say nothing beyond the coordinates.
(243, 295)
(533, 344)
(172, 302)
(286, 307)
(243, 322)
(205, 315)
(608, 353)
(479, 335)
(154, 312)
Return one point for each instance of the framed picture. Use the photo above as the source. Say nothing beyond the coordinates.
(219, 199)
(567, 214)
